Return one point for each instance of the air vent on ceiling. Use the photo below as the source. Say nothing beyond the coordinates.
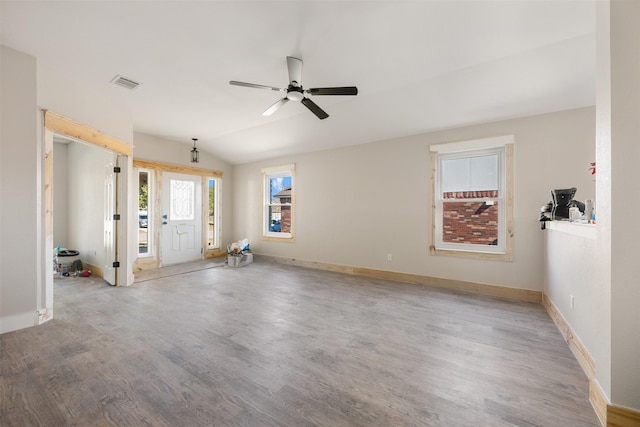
(125, 82)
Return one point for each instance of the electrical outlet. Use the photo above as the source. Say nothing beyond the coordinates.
(389, 257)
(572, 302)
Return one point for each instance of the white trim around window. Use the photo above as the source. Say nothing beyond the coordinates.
(499, 149)
(278, 212)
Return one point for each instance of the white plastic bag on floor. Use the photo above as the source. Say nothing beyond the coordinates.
(238, 247)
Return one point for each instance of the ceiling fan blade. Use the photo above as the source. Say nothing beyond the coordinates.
(294, 65)
(347, 90)
(235, 83)
(279, 103)
(314, 108)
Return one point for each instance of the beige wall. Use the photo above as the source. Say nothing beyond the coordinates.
(27, 88)
(571, 264)
(602, 353)
(356, 205)
(20, 191)
(624, 147)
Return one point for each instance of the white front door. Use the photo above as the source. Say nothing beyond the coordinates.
(181, 218)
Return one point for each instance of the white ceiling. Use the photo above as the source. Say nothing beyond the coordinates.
(419, 65)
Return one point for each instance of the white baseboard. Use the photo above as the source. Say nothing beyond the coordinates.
(18, 321)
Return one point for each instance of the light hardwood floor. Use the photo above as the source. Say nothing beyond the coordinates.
(275, 345)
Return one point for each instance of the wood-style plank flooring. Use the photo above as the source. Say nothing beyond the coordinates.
(275, 345)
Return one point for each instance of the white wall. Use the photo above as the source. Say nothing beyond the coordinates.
(19, 191)
(355, 205)
(571, 259)
(602, 354)
(625, 203)
(150, 147)
(60, 192)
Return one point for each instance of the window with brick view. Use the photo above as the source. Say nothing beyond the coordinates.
(470, 192)
(278, 203)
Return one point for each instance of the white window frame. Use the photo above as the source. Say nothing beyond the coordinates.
(503, 146)
(267, 175)
(150, 212)
(216, 211)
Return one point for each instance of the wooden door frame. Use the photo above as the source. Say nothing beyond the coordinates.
(158, 168)
(59, 124)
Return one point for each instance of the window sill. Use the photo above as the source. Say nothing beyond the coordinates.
(471, 255)
(289, 239)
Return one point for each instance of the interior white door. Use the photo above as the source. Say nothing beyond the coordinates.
(181, 202)
(109, 272)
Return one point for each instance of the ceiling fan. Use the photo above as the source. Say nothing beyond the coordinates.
(295, 91)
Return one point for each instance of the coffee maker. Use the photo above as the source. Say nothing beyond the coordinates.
(558, 208)
(562, 200)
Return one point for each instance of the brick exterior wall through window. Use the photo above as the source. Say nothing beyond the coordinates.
(470, 222)
(285, 219)
(285, 210)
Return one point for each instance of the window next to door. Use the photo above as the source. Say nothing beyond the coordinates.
(145, 212)
(213, 190)
(473, 198)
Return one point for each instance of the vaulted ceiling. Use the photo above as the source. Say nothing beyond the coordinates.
(419, 65)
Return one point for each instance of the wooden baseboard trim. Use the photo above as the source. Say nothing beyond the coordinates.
(147, 263)
(577, 348)
(457, 285)
(598, 400)
(609, 415)
(215, 253)
(94, 269)
(619, 416)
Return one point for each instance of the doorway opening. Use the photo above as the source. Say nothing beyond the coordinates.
(97, 193)
(178, 214)
(84, 202)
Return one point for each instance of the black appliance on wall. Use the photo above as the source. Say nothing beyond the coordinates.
(562, 200)
(558, 208)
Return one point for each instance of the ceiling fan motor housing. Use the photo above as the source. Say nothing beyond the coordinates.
(294, 93)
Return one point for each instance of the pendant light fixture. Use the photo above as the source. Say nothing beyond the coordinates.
(195, 156)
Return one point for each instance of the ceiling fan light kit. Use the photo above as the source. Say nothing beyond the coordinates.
(295, 91)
